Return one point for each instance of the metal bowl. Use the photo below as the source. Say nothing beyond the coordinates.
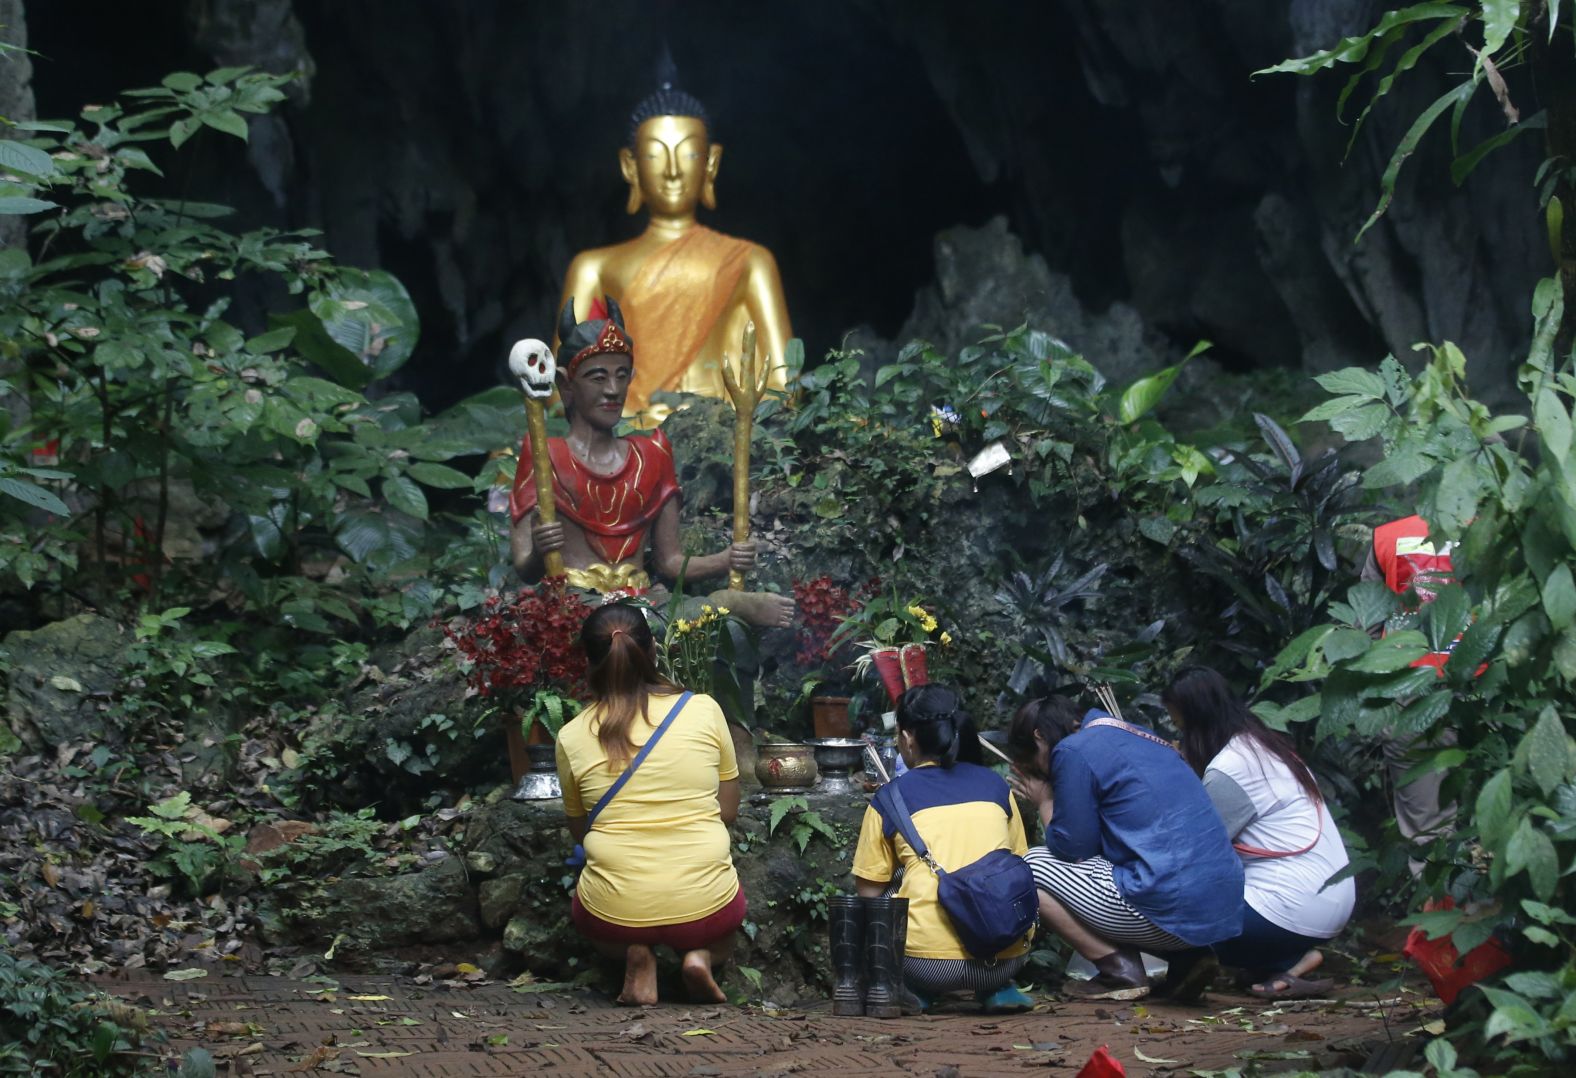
(837, 753)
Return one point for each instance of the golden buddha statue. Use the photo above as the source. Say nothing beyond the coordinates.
(686, 291)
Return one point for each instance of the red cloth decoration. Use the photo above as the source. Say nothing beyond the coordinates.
(912, 658)
(889, 666)
(1103, 1065)
(614, 511)
(1442, 964)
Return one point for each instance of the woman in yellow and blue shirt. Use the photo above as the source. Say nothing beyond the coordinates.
(962, 811)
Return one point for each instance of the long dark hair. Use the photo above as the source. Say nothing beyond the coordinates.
(621, 670)
(1212, 715)
(1052, 717)
(940, 724)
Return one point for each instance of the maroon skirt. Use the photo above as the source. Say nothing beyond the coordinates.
(687, 936)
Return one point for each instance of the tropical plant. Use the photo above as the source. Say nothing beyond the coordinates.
(51, 1025)
(1039, 602)
(1495, 721)
(133, 390)
(1266, 533)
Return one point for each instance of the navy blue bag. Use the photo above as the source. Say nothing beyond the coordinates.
(992, 903)
(577, 857)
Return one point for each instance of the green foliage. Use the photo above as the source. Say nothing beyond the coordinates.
(1510, 505)
(192, 849)
(804, 823)
(341, 845)
(1503, 28)
(51, 1025)
(142, 390)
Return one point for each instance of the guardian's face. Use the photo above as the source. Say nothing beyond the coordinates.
(672, 155)
(598, 388)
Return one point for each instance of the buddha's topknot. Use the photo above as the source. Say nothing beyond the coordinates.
(667, 100)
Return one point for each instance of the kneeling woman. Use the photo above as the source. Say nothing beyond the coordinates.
(1281, 828)
(658, 868)
(1135, 858)
(962, 811)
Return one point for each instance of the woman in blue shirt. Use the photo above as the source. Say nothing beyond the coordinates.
(1135, 856)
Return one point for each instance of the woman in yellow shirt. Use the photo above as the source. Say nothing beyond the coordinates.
(962, 811)
(658, 866)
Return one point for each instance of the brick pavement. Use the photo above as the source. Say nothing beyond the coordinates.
(374, 1026)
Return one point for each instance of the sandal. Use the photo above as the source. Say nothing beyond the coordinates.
(1295, 987)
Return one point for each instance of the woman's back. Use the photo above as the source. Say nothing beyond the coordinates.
(962, 813)
(659, 851)
(1288, 891)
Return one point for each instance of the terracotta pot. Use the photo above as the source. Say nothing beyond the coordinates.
(785, 765)
(829, 716)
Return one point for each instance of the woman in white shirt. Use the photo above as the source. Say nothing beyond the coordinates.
(1280, 827)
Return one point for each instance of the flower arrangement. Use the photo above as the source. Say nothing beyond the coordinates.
(822, 607)
(894, 633)
(526, 650)
(690, 648)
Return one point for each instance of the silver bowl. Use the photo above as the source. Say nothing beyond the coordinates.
(837, 758)
(540, 783)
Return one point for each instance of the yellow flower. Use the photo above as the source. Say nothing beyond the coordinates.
(946, 640)
(705, 610)
(724, 611)
(682, 626)
(926, 620)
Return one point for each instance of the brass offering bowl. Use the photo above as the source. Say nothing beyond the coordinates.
(785, 767)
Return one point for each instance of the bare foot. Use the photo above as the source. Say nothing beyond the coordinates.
(698, 979)
(764, 609)
(640, 977)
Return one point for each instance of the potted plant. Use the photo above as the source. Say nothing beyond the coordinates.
(823, 606)
(894, 633)
(524, 653)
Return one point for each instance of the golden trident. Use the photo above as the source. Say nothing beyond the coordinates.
(531, 362)
(745, 391)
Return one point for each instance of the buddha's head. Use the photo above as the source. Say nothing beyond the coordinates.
(670, 162)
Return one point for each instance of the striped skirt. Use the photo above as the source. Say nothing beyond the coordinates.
(1089, 893)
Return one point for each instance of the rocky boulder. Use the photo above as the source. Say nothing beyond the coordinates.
(59, 679)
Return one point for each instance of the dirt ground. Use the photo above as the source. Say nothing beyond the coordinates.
(378, 1025)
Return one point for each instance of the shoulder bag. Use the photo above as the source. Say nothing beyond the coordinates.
(992, 903)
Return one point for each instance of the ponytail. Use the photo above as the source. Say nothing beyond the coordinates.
(621, 672)
(942, 728)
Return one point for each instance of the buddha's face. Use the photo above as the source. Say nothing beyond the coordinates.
(673, 164)
(596, 392)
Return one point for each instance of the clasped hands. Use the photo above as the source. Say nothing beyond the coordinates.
(1034, 789)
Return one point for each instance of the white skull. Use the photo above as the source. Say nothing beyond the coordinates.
(531, 361)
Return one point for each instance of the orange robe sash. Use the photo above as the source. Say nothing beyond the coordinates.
(672, 305)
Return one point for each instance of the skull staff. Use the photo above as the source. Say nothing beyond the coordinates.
(531, 362)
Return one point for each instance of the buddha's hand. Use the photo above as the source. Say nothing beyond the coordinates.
(741, 556)
(546, 538)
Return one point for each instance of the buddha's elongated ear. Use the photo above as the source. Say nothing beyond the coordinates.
(626, 165)
(708, 191)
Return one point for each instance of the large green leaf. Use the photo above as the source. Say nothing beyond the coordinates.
(1545, 751)
(1554, 423)
(19, 204)
(1499, 19)
(20, 157)
(1351, 50)
(439, 476)
(403, 494)
(1408, 146)
(1530, 849)
(1559, 596)
(34, 495)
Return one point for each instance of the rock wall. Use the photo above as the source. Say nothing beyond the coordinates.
(500, 900)
(470, 149)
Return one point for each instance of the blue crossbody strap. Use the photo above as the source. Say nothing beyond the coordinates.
(645, 750)
(905, 824)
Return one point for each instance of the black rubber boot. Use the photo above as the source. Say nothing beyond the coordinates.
(1189, 975)
(908, 1002)
(846, 917)
(883, 974)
